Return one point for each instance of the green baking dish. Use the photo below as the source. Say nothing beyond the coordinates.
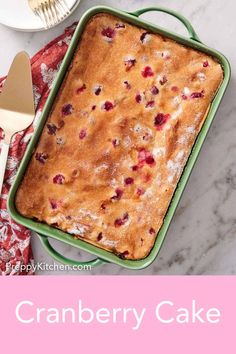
(46, 231)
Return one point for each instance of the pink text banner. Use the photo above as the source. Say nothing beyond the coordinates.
(118, 314)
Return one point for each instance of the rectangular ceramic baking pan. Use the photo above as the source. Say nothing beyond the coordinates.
(46, 231)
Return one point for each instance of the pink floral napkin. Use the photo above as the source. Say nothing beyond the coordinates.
(15, 248)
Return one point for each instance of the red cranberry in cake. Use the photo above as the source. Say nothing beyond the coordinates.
(118, 222)
(66, 109)
(129, 180)
(124, 254)
(174, 89)
(103, 206)
(118, 195)
(149, 160)
(147, 72)
(115, 142)
(107, 106)
(205, 64)
(184, 97)
(100, 236)
(127, 85)
(150, 104)
(120, 25)
(41, 157)
(152, 231)
(135, 168)
(51, 129)
(197, 94)
(140, 191)
(138, 98)
(166, 55)
(108, 32)
(154, 90)
(160, 120)
(125, 217)
(163, 80)
(145, 156)
(121, 221)
(97, 90)
(80, 89)
(54, 204)
(93, 107)
(58, 179)
(82, 134)
(144, 37)
(147, 136)
(142, 154)
(129, 63)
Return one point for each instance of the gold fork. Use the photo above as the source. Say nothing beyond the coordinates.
(51, 12)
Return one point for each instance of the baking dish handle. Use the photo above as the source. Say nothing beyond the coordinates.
(58, 257)
(193, 35)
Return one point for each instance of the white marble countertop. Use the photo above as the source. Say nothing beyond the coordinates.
(202, 236)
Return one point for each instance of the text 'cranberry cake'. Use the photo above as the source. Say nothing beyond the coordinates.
(118, 137)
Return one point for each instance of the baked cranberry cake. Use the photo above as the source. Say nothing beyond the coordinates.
(118, 137)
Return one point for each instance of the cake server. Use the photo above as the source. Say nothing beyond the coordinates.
(16, 105)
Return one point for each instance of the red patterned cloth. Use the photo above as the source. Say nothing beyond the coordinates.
(15, 249)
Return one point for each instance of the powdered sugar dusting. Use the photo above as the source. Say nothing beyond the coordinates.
(108, 243)
(158, 151)
(129, 57)
(165, 54)
(57, 219)
(88, 213)
(190, 130)
(201, 76)
(176, 101)
(177, 113)
(186, 91)
(78, 229)
(101, 167)
(198, 116)
(144, 58)
(127, 141)
(175, 166)
(148, 193)
(137, 128)
(146, 38)
(113, 182)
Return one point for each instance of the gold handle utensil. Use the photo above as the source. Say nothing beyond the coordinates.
(16, 104)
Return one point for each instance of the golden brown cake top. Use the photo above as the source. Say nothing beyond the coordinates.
(118, 137)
